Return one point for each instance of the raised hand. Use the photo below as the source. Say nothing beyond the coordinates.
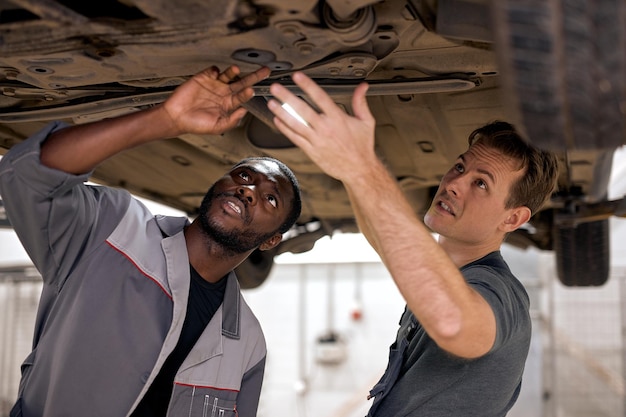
(210, 102)
(338, 143)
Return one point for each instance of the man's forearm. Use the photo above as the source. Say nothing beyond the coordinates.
(361, 221)
(401, 239)
(451, 312)
(79, 149)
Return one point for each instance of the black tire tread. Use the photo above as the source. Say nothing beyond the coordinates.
(564, 62)
(582, 254)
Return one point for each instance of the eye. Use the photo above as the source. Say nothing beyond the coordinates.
(481, 184)
(459, 168)
(244, 176)
(273, 201)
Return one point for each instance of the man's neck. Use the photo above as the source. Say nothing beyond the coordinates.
(210, 260)
(463, 253)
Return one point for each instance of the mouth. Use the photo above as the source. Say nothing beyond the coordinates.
(235, 206)
(446, 207)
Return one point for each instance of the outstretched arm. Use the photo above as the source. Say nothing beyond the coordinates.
(452, 313)
(208, 103)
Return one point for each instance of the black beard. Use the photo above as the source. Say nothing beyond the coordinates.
(231, 241)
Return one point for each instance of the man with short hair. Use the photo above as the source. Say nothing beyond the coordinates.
(465, 333)
(141, 315)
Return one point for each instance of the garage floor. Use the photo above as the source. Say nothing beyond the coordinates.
(328, 327)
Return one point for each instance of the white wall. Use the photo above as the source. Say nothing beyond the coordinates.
(617, 189)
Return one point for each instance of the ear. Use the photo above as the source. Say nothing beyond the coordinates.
(517, 217)
(271, 242)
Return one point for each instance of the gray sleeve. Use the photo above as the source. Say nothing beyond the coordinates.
(508, 307)
(250, 392)
(55, 215)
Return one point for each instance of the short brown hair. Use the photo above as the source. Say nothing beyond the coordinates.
(540, 167)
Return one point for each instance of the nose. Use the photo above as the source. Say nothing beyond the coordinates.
(248, 193)
(455, 185)
(451, 188)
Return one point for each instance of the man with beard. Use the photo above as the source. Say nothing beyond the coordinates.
(141, 315)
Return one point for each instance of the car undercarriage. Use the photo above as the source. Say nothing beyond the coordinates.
(437, 70)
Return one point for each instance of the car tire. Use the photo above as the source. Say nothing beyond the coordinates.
(563, 67)
(582, 254)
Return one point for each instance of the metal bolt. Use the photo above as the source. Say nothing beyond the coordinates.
(11, 74)
(289, 30)
(305, 48)
(249, 20)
